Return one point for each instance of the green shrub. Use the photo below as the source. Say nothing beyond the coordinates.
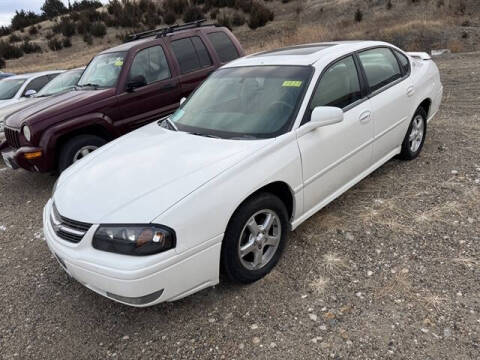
(214, 14)
(66, 27)
(8, 51)
(5, 30)
(87, 37)
(14, 38)
(30, 48)
(54, 44)
(170, 18)
(238, 19)
(98, 29)
(192, 14)
(259, 16)
(52, 8)
(84, 26)
(67, 42)
(2, 63)
(33, 30)
(358, 15)
(85, 5)
(49, 35)
(177, 6)
(23, 18)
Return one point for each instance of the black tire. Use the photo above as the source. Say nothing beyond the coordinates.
(231, 262)
(72, 146)
(407, 153)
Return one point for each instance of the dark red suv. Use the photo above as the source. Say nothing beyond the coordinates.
(121, 89)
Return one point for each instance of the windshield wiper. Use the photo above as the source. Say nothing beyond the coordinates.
(95, 86)
(205, 135)
(170, 123)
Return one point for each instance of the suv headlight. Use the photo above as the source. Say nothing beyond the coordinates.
(137, 240)
(26, 132)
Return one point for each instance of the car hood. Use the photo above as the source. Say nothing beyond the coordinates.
(11, 108)
(140, 175)
(4, 103)
(56, 105)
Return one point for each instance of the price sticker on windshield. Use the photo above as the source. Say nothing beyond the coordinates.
(292, 83)
(118, 62)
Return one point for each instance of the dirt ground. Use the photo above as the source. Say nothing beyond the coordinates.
(389, 270)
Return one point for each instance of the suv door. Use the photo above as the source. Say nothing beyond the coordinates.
(334, 155)
(193, 60)
(390, 98)
(159, 97)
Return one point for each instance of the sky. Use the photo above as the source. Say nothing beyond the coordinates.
(8, 7)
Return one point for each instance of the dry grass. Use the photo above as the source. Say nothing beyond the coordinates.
(334, 264)
(319, 285)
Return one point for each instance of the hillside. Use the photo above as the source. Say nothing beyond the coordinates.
(410, 24)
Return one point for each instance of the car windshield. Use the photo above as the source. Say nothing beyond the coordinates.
(243, 102)
(9, 87)
(62, 82)
(103, 70)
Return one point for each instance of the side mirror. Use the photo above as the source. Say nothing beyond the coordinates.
(30, 93)
(321, 116)
(182, 100)
(136, 82)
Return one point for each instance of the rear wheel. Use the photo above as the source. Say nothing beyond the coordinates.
(255, 238)
(415, 137)
(77, 148)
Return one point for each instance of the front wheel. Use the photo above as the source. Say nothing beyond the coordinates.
(77, 148)
(415, 137)
(255, 238)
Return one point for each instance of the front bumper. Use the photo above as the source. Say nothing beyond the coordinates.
(15, 158)
(135, 280)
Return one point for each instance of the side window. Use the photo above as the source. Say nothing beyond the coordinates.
(224, 46)
(339, 86)
(381, 67)
(202, 52)
(37, 84)
(404, 63)
(191, 54)
(151, 64)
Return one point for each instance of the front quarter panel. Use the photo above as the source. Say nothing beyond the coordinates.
(205, 213)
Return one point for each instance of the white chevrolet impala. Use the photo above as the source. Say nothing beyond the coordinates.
(263, 144)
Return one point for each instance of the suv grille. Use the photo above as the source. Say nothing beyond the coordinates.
(67, 229)
(12, 137)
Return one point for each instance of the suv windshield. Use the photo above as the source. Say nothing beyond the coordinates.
(256, 101)
(103, 70)
(9, 87)
(62, 82)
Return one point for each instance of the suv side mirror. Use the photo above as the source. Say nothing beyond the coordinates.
(30, 93)
(322, 116)
(136, 82)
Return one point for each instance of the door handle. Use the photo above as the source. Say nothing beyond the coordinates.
(365, 117)
(410, 91)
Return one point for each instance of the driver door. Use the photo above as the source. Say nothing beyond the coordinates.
(334, 155)
(159, 96)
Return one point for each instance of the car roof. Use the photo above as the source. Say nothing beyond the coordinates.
(126, 46)
(304, 54)
(35, 74)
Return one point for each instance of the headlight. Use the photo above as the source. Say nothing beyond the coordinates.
(26, 132)
(134, 239)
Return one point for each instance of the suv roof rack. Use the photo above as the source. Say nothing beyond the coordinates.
(168, 30)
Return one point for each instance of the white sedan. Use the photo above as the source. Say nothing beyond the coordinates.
(263, 144)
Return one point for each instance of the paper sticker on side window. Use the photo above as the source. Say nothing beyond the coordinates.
(292, 83)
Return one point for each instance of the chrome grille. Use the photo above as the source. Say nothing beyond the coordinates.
(68, 229)
(12, 137)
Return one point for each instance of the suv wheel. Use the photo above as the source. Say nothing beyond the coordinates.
(77, 148)
(255, 238)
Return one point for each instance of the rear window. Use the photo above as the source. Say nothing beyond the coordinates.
(381, 67)
(191, 54)
(404, 63)
(224, 46)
